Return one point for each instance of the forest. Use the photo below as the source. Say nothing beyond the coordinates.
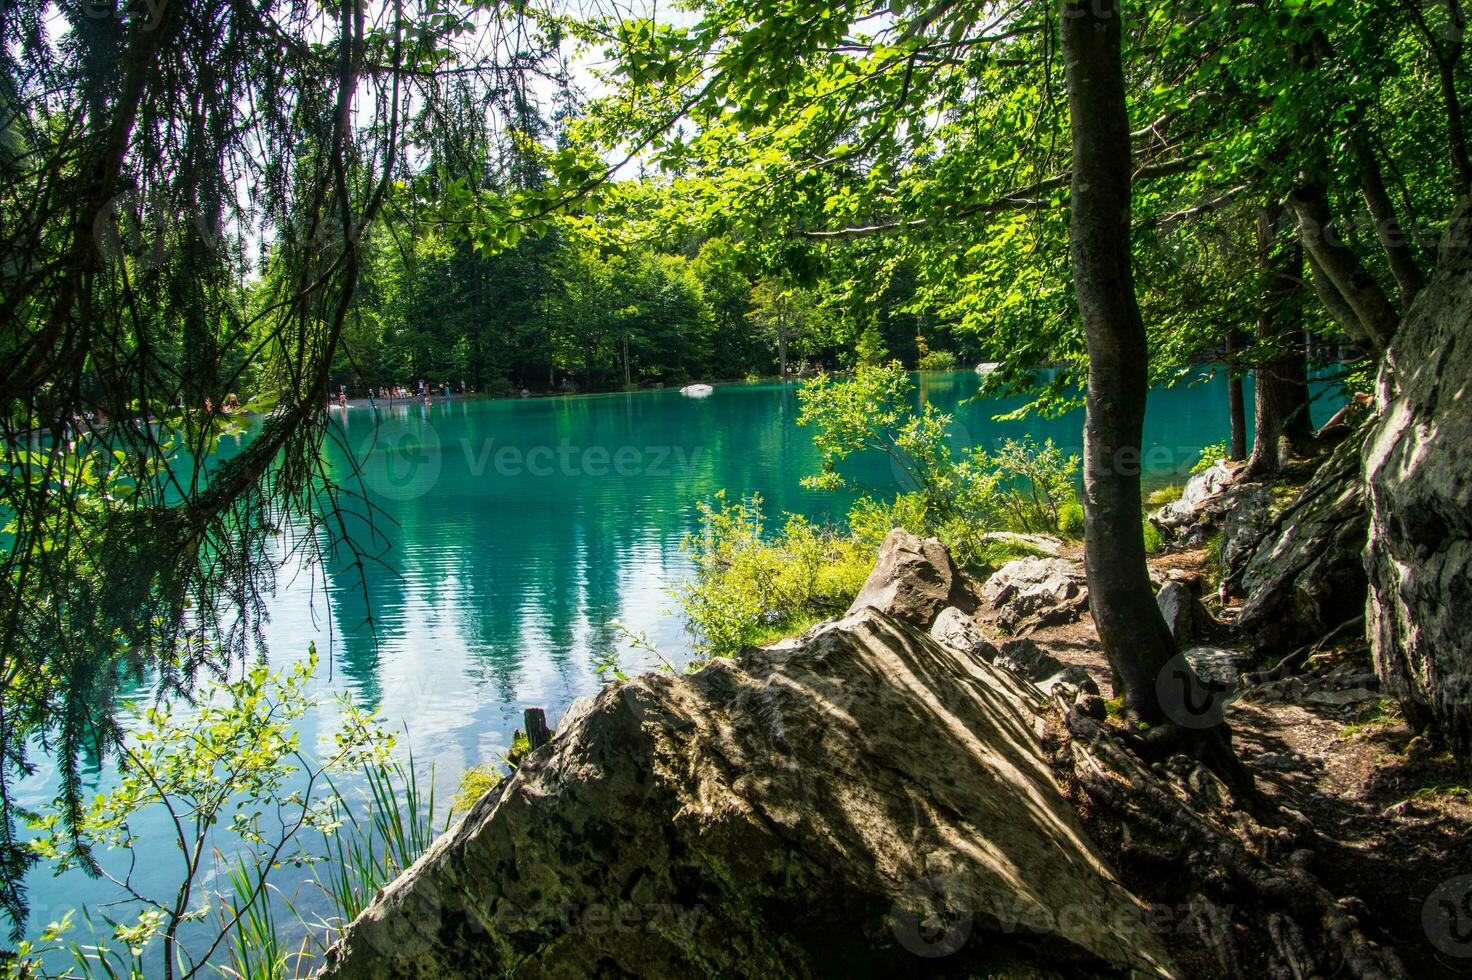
(217, 215)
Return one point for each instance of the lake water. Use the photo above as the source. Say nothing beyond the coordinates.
(510, 533)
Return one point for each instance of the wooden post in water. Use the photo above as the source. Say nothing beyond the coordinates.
(537, 732)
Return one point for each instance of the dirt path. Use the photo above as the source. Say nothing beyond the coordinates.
(1395, 817)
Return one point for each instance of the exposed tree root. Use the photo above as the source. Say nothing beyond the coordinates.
(1253, 901)
(1296, 661)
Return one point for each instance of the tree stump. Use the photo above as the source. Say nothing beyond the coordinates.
(537, 732)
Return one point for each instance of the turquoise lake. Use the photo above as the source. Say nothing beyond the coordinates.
(510, 533)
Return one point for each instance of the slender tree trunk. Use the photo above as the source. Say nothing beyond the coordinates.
(1336, 305)
(1393, 237)
(1361, 292)
(1236, 402)
(1134, 635)
(1280, 400)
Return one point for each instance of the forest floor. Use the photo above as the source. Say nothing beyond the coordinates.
(1393, 816)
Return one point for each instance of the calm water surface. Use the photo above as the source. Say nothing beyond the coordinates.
(510, 534)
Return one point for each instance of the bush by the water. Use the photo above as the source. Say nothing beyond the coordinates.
(752, 586)
(750, 589)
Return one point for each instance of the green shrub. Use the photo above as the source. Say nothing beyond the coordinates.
(1167, 494)
(1154, 540)
(747, 589)
(1210, 456)
(475, 782)
(1071, 520)
(1021, 487)
(938, 360)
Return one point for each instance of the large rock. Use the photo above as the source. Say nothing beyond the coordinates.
(1243, 521)
(913, 579)
(1200, 489)
(1305, 576)
(1032, 592)
(1418, 467)
(1044, 544)
(866, 804)
(958, 631)
(1188, 620)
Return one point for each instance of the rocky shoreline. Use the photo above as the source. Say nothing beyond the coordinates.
(935, 784)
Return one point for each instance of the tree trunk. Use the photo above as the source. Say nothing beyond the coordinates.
(1341, 267)
(1134, 635)
(1236, 403)
(782, 348)
(1335, 304)
(1280, 402)
(1387, 225)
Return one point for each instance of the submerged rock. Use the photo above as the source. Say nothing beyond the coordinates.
(1418, 465)
(1033, 591)
(862, 805)
(913, 579)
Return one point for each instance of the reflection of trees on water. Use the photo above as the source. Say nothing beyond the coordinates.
(529, 569)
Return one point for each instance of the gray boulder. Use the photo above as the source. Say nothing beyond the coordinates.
(1031, 592)
(913, 579)
(1046, 544)
(1029, 660)
(958, 631)
(1247, 511)
(1200, 489)
(1304, 576)
(860, 805)
(1187, 618)
(1418, 467)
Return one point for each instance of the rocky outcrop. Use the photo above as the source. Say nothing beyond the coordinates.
(1418, 467)
(958, 631)
(1304, 576)
(913, 579)
(860, 805)
(1243, 517)
(1043, 544)
(1215, 502)
(1029, 660)
(1187, 618)
(1179, 516)
(1033, 592)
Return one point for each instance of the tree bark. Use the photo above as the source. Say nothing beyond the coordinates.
(1341, 267)
(1236, 402)
(1336, 305)
(1134, 635)
(1393, 237)
(1280, 399)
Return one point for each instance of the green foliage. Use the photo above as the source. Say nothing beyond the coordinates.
(937, 360)
(870, 350)
(1210, 456)
(1071, 520)
(475, 782)
(1167, 494)
(748, 589)
(1154, 540)
(1020, 487)
(235, 766)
